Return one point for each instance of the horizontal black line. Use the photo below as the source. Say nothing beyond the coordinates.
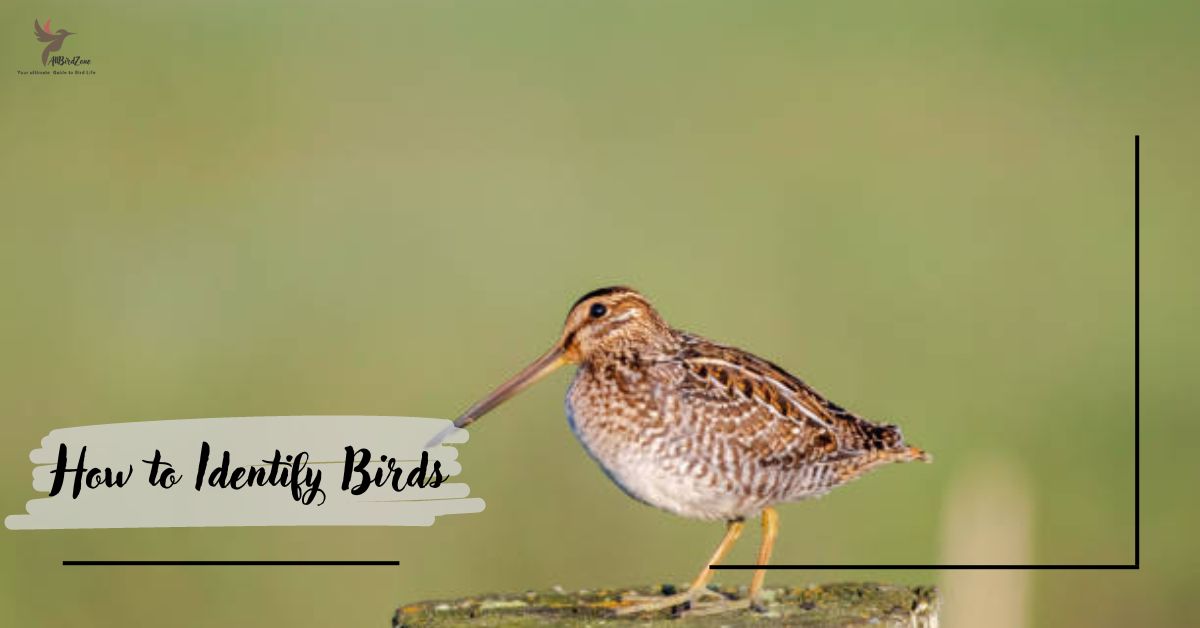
(981, 567)
(1137, 502)
(233, 563)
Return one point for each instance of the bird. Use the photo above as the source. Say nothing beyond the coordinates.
(698, 429)
(54, 41)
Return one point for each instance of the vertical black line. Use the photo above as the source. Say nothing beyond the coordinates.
(1137, 427)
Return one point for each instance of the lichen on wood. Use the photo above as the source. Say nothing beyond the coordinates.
(843, 604)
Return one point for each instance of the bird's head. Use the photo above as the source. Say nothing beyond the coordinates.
(608, 320)
(64, 32)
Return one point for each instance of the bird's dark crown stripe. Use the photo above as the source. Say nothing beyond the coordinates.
(599, 292)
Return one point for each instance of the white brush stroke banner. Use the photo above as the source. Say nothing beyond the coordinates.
(251, 442)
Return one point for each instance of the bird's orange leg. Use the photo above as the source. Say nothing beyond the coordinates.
(770, 529)
(699, 586)
(733, 530)
(770, 526)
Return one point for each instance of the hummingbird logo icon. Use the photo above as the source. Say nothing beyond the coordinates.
(53, 41)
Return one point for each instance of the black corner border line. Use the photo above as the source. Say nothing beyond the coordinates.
(1137, 444)
(1137, 468)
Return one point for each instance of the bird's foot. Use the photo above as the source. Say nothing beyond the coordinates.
(717, 607)
(652, 603)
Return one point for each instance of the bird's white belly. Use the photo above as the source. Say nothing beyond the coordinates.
(653, 480)
(677, 492)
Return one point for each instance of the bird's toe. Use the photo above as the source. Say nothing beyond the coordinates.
(636, 604)
(724, 605)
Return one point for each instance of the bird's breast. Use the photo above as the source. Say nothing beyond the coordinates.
(641, 437)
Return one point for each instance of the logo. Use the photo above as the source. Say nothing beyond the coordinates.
(53, 41)
(56, 64)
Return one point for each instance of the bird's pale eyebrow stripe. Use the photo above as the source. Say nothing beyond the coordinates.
(626, 316)
(618, 319)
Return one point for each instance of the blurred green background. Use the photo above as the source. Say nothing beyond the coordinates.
(923, 209)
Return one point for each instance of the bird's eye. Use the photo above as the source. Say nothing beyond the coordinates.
(597, 310)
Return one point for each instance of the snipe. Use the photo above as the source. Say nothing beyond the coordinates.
(699, 429)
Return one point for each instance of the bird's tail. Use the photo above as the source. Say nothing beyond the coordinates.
(912, 454)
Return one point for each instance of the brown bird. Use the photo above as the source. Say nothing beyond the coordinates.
(54, 41)
(699, 429)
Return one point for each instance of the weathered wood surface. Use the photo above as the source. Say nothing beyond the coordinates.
(843, 604)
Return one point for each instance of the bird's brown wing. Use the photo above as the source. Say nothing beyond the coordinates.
(781, 418)
(42, 35)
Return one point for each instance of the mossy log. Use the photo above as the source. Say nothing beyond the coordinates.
(845, 604)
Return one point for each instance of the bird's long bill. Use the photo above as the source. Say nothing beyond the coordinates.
(540, 368)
